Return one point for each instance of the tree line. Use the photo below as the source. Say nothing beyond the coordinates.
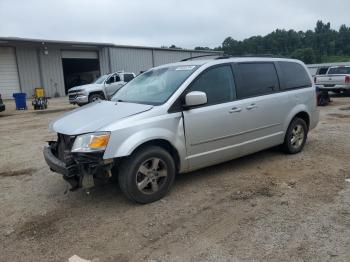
(322, 44)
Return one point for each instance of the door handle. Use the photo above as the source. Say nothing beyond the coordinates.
(252, 106)
(235, 110)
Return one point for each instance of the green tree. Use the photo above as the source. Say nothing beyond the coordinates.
(305, 54)
(320, 44)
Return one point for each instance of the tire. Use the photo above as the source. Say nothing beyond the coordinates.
(295, 137)
(95, 97)
(137, 175)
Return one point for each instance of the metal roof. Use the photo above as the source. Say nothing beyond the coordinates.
(6, 40)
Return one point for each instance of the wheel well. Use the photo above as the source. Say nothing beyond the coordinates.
(305, 116)
(165, 145)
(98, 92)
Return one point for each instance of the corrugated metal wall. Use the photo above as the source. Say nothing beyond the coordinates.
(104, 60)
(165, 57)
(129, 59)
(52, 72)
(201, 53)
(28, 69)
(46, 70)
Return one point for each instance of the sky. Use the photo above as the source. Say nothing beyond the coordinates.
(158, 23)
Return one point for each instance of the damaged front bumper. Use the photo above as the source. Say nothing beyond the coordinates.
(80, 170)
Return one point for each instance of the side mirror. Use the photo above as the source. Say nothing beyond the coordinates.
(195, 98)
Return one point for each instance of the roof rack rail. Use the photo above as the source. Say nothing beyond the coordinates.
(248, 55)
(194, 57)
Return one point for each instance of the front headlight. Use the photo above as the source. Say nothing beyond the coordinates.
(93, 142)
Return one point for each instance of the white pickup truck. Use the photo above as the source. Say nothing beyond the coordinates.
(103, 88)
(336, 80)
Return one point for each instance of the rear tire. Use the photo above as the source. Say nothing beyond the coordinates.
(295, 137)
(147, 175)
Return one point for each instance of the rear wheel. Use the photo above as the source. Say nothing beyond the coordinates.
(147, 175)
(296, 136)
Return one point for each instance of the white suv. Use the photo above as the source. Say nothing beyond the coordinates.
(184, 116)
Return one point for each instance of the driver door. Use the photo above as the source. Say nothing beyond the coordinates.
(112, 85)
(213, 129)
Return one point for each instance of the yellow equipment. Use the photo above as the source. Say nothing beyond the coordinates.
(39, 92)
(39, 98)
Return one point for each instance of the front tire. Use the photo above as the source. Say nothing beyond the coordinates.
(147, 175)
(296, 136)
(95, 97)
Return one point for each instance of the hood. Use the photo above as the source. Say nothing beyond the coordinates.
(85, 87)
(95, 116)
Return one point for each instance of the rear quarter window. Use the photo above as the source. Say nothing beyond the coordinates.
(293, 76)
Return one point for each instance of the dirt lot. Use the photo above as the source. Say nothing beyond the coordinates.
(268, 206)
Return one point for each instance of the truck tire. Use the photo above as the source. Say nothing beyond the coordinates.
(296, 135)
(95, 97)
(147, 175)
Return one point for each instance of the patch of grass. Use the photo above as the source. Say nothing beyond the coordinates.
(335, 59)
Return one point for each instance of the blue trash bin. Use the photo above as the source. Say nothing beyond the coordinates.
(20, 99)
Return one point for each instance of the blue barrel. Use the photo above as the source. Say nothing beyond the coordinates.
(20, 99)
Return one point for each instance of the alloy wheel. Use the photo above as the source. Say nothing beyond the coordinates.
(151, 175)
(298, 135)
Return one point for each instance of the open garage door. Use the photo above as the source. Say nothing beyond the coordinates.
(9, 82)
(79, 67)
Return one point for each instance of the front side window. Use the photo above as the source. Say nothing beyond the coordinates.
(256, 79)
(217, 83)
(110, 80)
(294, 75)
(155, 86)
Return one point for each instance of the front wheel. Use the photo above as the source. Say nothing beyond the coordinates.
(296, 136)
(147, 175)
(95, 97)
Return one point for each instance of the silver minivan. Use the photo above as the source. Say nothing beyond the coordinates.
(180, 117)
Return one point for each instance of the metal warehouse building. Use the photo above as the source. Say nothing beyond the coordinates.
(58, 65)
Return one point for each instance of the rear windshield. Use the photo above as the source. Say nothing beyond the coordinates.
(339, 70)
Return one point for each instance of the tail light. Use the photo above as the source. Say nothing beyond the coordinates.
(347, 80)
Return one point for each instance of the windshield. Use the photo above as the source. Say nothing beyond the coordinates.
(101, 79)
(155, 86)
(339, 70)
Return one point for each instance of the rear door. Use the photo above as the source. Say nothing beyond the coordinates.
(264, 108)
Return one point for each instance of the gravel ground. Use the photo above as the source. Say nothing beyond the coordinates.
(264, 207)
